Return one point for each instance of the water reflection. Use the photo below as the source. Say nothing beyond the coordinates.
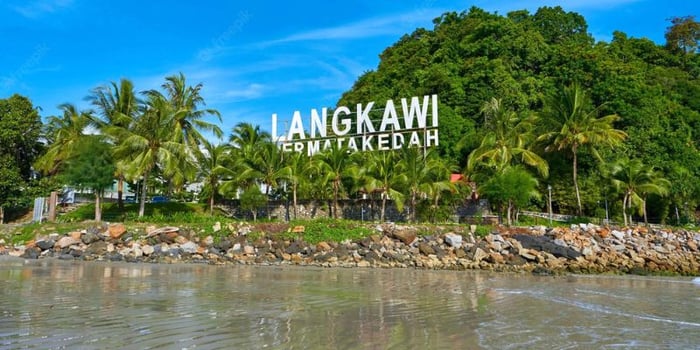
(58, 304)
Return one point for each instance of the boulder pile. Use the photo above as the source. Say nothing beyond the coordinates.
(581, 248)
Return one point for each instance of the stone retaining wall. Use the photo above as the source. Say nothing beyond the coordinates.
(579, 249)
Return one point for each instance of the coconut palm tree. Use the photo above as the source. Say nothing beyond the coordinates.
(507, 140)
(186, 122)
(118, 106)
(331, 166)
(298, 165)
(148, 145)
(247, 137)
(637, 181)
(63, 135)
(426, 176)
(569, 123)
(384, 174)
(211, 167)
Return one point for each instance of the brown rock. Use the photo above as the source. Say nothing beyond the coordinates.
(405, 236)
(75, 235)
(66, 241)
(298, 229)
(323, 246)
(116, 230)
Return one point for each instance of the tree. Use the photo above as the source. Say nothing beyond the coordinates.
(426, 176)
(252, 199)
(20, 126)
(331, 165)
(384, 174)
(569, 124)
(637, 180)
(186, 122)
(118, 106)
(148, 144)
(211, 167)
(63, 135)
(91, 167)
(298, 165)
(513, 188)
(507, 140)
(683, 35)
(11, 184)
(247, 137)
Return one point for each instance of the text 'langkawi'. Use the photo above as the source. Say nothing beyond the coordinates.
(362, 129)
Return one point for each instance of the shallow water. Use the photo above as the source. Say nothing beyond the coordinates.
(74, 305)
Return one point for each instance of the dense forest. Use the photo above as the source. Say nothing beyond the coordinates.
(533, 112)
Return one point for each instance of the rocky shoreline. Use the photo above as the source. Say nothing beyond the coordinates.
(582, 248)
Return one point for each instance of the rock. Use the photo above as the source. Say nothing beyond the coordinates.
(363, 263)
(97, 248)
(618, 235)
(323, 247)
(216, 227)
(208, 241)
(298, 229)
(405, 236)
(165, 230)
(425, 248)
(116, 230)
(454, 240)
(31, 253)
(478, 255)
(110, 248)
(45, 244)
(546, 244)
(75, 235)
(66, 257)
(90, 237)
(248, 250)
(66, 241)
(189, 247)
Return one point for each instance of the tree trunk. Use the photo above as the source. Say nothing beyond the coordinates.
(294, 200)
(624, 208)
(578, 195)
(508, 213)
(2, 215)
(336, 189)
(120, 192)
(255, 214)
(381, 218)
(413, 206)
(211, 204)
(98, 206)
(142, 205)
(644, 208)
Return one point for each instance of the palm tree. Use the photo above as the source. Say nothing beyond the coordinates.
(149, 143)
(426, 175)
(384, 174)
(118, 106)
(62, 135)
(247, 137)
(211, 167)
(570, 124)
(186, 121)
(512, 187)
(332, 165)
(266, 165)
(637, 181)
(507, 141)
(298, 164)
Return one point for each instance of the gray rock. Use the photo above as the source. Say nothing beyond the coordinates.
(454, 240)
(617, 234)
(90, 237)
(46, 244)
(31, 253)
(189, 247)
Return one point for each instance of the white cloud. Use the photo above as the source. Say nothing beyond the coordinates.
(388, 25)
(37, 8)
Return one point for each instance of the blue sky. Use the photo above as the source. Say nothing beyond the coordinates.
(253, 58)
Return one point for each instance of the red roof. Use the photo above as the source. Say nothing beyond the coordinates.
(456, 178)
